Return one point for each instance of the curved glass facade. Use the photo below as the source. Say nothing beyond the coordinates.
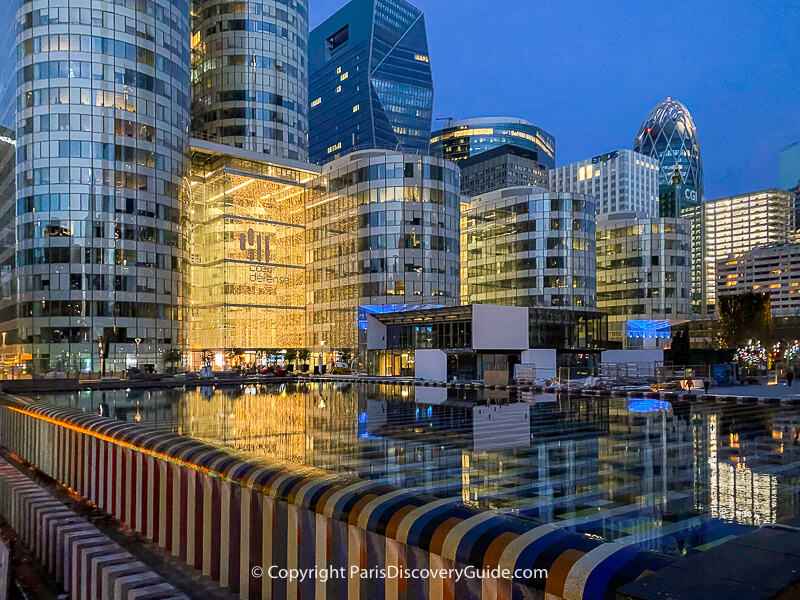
(528, 247)
(103, 95)
(643, 271)
(463, 139)
(381, 229)
(250, 75)
(669, 135)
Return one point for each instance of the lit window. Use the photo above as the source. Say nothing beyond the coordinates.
(356, 107)
(335, 147)
(338, 89)
(421, 58)
(338, 70)
(581, 173)
(344, 75)
(316, 102)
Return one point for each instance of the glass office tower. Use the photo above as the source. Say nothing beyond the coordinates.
(669, 135)
(381, 235)
(370, 84)
(103, 95)
(526, 246)
(248, 263)
(250, 75)
(460, 140)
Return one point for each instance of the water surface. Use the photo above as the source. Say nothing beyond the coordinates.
(673, 478)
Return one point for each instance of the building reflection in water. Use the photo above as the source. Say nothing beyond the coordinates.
(649, 474)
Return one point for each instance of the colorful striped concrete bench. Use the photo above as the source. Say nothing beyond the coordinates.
(228, 518)
(85, 561)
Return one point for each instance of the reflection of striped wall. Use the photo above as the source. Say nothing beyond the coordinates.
(226, 517)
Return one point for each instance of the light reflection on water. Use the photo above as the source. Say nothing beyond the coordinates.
(674, 478)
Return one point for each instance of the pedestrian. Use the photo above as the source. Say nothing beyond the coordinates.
(689, 383)
(706, 385)
(789, 378)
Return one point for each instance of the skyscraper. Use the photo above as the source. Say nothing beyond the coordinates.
(669, 135)
(370, 81)
(739, 223)
(381, 232)
(465, 138)
(620, 181)
(250, 75)
(789, 167)
(103, 92)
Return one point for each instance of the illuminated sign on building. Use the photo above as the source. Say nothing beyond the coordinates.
(256, 245)
(605, 157)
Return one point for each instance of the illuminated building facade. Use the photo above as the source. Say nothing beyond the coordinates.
(370, 83)
(643, 276)
(103, 98)
(381, 232)
(501, 167)
(739, 223)
(462, 139)
(669, 136)
(9, 340)
(247, 251)
(773, 269)
(619, 181)
(250, 75)
(677, 199)
(526, 246)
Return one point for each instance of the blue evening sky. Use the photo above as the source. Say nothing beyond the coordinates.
(588, 72)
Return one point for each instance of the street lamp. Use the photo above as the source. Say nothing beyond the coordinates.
(321, 353)
(4, 355)
(137, 341)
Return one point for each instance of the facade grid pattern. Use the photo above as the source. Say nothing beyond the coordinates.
(620, 181)
(737, 224)
(102, 115)
(526, 246)
(773, 269)
(643, 270)
(250, 75)
(381, 231)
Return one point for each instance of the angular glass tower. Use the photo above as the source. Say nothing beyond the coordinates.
(370, 83)
(669, 135)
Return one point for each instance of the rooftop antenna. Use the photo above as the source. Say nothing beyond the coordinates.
(448, 119)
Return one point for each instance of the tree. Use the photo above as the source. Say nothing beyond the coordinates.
(291, 356)
(744, 317)
(681, 347)
(172, 356)
(303, 354)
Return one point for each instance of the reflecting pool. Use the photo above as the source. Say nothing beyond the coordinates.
(675, 478)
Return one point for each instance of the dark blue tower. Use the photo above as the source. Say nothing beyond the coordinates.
(370, 83)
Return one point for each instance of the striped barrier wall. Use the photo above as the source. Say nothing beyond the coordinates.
(82, 559)
(229, 518)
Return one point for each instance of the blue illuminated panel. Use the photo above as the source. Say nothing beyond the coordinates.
(649, 329)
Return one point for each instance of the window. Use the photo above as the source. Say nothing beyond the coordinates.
(421, 58)
(316, 102)
(338, 89)
(356, 108)
(344, 75)
(335, 147)
(338, 38)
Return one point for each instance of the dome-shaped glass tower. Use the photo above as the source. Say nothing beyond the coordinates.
(669, 135)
